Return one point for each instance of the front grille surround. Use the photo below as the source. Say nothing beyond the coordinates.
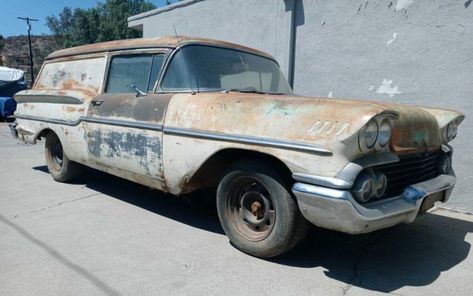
(410, 169)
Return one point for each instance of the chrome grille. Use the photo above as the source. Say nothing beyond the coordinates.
(410, 169)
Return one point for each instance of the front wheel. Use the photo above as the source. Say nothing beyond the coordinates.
(60, 167)
(257, 211)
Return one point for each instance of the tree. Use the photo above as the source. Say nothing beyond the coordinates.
(104, 22)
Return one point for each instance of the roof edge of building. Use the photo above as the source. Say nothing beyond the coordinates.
(162, 9)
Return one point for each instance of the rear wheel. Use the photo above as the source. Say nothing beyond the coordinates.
(60, 167)
(257, 211)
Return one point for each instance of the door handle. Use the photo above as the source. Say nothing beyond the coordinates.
(96, 103)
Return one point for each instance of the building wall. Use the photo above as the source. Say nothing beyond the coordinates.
(407, 51)
(262, 24)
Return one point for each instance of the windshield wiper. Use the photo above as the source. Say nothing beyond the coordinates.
(249, 90)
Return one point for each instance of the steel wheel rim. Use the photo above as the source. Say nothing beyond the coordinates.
(251, 209)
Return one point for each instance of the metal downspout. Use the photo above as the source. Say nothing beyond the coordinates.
(291, 5)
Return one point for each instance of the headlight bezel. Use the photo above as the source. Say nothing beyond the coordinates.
(389, 131)
(365, 135)
(387, 119)
(451, 131)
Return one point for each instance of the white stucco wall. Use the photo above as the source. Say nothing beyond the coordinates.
(407, 51)
(265, 27)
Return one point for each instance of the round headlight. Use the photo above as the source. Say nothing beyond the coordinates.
(381, 184)
(364, 187)
(452, 130)
(384, 134)
(369, 135)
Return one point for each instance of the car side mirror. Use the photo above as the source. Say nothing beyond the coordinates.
(139, 92)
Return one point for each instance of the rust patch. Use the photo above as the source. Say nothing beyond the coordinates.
(69, 84)
(415, 128)
(70, 109)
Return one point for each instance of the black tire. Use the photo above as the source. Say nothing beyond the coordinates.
(257, 211)
(60, 167)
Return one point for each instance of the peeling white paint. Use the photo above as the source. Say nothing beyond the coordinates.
(330, 95)
(386, 88)
(391, 40)
(403, 4)
(371, 88)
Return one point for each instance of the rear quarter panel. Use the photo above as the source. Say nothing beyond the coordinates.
(60, 96)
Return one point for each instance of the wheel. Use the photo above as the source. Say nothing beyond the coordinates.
(257, 211)
(60, 167)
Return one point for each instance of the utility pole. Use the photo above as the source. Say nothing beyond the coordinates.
(28, 20)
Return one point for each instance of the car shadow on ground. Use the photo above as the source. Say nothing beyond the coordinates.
(386, 260)
(186, 209)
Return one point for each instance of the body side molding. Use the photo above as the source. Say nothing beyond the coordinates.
(192, 133)
(51, 99)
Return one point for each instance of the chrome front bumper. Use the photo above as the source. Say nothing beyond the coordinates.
(336, 209)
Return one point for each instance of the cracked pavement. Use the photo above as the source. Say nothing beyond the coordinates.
(107, 236)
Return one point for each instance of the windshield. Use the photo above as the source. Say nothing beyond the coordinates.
(206, 68)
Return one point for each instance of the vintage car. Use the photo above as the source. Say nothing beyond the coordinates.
(181, 113)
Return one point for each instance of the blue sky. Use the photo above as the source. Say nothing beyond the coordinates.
(38, 9)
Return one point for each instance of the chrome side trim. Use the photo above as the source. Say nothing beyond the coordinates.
(49, 120)
(51, 99)
(115, 122)
(250, 140)
(124, 123)
(241, 139)
(332, 182)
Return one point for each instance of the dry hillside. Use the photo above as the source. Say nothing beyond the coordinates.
(15, 53)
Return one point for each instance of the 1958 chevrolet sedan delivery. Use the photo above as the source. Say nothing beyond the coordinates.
(180, 114)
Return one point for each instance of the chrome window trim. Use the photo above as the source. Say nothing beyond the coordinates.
(132, 52)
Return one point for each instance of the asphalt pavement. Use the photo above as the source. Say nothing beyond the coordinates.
(107, 236)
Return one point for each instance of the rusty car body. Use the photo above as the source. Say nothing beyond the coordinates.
(349, 165)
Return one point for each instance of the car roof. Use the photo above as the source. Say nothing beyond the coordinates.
(139, 43)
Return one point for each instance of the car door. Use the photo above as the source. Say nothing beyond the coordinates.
(124, 124)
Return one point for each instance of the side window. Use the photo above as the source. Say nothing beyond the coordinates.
(139, 70)
(177, 75)
(156, 65)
